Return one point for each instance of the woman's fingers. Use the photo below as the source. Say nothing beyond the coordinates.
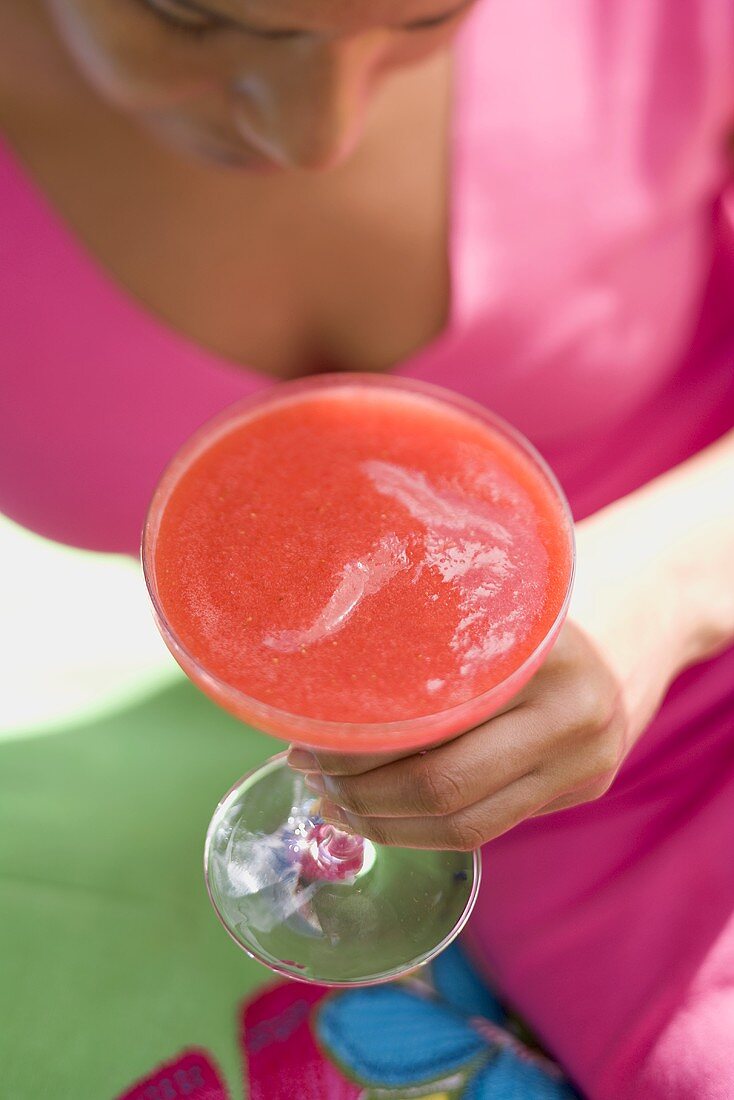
(303, 759)
(336, 763)
(443, 780)
(463, 831)
(560, 746)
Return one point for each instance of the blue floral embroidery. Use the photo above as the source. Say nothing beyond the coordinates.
(506, 1077)
(387, 1036)
(394, 1037)
(457, 983)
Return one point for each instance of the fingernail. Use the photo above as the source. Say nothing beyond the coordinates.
(302, 761)
(315, 783)
(333, 814)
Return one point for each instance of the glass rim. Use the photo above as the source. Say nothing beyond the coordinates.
(327, 733)
(278, 966)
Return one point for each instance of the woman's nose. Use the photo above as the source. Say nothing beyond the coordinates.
(308, 111)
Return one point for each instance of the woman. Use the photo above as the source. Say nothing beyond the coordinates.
(539, 217)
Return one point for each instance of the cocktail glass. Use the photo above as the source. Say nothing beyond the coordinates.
(309, 900)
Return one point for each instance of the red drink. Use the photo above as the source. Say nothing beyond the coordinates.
(360, 564)
(360, 555)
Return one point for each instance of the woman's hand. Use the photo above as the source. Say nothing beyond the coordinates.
(644, 606)
(560, 744)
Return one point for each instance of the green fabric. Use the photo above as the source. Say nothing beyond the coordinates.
(111, 958)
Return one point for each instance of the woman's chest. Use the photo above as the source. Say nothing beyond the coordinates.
(332, 280)
(286, 274)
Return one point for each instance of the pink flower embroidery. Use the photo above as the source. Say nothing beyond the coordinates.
(191, 1076)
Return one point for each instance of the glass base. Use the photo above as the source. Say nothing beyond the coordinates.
(320, 905)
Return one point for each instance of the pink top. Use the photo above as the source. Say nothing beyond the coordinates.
(592, 258)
